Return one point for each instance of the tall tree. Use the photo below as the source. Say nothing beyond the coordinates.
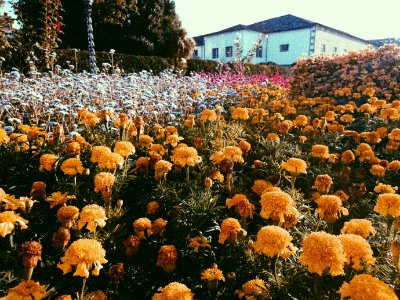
(5, 32)
(41, 24)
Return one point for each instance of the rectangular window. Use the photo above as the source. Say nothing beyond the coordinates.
(323, 48)
(334, 49)
(228, 51)
(284, 48)
(196, 53)
(259, 52)
(215, 53)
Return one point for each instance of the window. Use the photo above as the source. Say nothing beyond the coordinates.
(215, 53)
(228, 51)
(284, 48)
(323, 48)
(196, 53)
(334, 49)
(259, 52)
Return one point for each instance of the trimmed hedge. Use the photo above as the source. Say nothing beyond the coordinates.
(129, 63)
(323, 75)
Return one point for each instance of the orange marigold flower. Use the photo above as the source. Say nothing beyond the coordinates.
(185, 156)
(357, 251)
(173, 140)
(59, 199)
(142, 228)
(295, 166)
(342, 195)
(27, 290)
(142, 163)
(377, 170)
(111, 161)
(103, 182)
(92, 216)
(84, 254)
(67, 215)
(171, 130)
(38, 190)
(273, 240)
(364, 286)
(61, 238)
(347, 157)
(244, 146)
(199, 242)
(394, 134)
(347, 118)
(73, 148)
(208, 115)
(394, 165)
(145, 140)
(131, 245)
(301, 120)
(361, 227)
(385, 188)
(157, 149)
(363, 147)
(277, 205)
(330, 208)
(254, 289)
(320, 151)
(124, 148)
(212, 274)
(97, 295)
(47, 162)
(174, 291)
(99, 152)
(159, 226)
(233, 153)
(72, 166)
(388, 205)
(323, 252)
(3, 136)
(260, 186)
(230, 228)
(152, 208)
(243, 206)
(161, 168)
(9, 220)
(273, 137)
(31, 253)
(323, 183)
(217, 175)
(166, 258)
(240, 113)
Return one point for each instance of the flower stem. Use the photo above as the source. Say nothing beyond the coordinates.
(318, 287)
(83, 288)
(28, 273)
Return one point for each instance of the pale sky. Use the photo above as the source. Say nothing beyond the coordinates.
(367, 19)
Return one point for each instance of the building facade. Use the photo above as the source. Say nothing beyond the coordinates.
(287, 38)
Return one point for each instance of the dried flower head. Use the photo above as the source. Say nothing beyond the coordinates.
(84, 254)
(131, 245)
(61, 238)
(323, 252)
(31, 253)
(253, 290)
(153, 207)
(38, 190)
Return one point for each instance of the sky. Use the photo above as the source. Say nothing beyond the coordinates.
(367, 19)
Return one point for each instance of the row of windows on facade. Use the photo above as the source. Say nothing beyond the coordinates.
(259, 52)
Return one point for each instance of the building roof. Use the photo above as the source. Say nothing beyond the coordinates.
(278, 24)
(381, 42)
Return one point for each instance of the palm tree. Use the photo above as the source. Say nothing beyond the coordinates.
(89, 28)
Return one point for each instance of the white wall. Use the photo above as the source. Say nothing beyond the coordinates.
(299, 45)
(333, 39)
(223, 40)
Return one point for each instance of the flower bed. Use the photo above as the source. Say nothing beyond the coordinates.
(160, 187)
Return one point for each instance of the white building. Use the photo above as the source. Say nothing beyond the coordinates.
(287, 38)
